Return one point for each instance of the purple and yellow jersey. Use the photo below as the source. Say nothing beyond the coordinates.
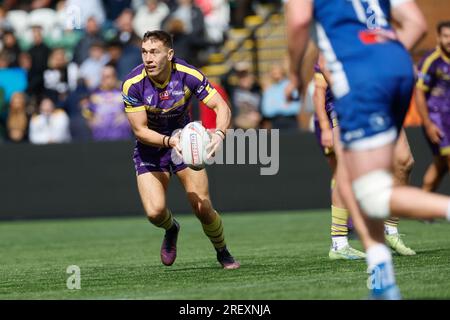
(167, 104)
(329, 109)
(110, 123)
(434, 80)
(167, 108)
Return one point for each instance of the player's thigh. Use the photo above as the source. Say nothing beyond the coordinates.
(402, 150)
(195, 182)
(152, 188)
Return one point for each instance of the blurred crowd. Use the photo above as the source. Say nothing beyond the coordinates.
(61, 63)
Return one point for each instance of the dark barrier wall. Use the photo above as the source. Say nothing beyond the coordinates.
(97, 179)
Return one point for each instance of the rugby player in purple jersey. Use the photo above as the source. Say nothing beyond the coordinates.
(156, 96)
(433, 104)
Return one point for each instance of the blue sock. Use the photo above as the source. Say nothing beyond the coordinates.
(381, 281)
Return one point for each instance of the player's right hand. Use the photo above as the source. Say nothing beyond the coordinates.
(434, 133)
(326, 138)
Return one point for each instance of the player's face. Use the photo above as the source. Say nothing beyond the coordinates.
(444, 40)
(156, 57)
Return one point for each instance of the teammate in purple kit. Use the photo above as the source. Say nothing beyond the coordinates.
(156, 95)
(433, 104)
(104, 113)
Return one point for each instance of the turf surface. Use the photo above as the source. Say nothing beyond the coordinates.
(283, 256)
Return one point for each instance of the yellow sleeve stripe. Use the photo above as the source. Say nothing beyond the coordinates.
(445, 151)
(320, 79)
(426, 65)
(135, 79)
(209, 96)
(319, 76)
(134, 109)
(190, 71)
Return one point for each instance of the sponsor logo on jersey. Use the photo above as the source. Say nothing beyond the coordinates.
(164, 95)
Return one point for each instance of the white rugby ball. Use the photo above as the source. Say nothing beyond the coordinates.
(193, 140)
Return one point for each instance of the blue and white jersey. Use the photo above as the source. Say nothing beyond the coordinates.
(372, 74)
(350, 35)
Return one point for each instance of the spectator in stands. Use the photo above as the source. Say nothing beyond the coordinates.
(27, 5)
(194, 26)
(182, 42)
(56, 77)
(217, 19)
(65, 32)
(150, 16)
(246, 98)
(124, 44)
(11, 48)
(50, 125)
(91, 68)
(105, 112)
(92, 35)
(77, 101)
(12, 79)
(17, 121)
(282, 114)
(114, 49)
(39, 53)
(124, 28)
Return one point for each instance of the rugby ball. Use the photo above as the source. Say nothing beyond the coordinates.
(194, 139)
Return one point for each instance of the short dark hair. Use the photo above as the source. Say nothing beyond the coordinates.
(441, 25)
(160, 35)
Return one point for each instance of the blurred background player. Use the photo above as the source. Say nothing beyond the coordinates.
(156, 96)
(325, 124)
(325, 121)
(372, 78)
(433, 103)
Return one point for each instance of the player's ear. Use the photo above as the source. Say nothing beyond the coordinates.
(170, 54)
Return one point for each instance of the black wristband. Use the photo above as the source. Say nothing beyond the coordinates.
(168, 142)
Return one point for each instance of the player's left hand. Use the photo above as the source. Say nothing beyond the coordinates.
(213, 146)
(326, 138)
(175, 142)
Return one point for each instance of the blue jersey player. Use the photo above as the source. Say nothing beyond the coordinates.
(372, 79)
(156, 97)
(327, 132)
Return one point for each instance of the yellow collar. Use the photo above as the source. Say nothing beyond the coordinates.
(442, 54)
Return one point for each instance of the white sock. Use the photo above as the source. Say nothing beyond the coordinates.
(339, 242)
(378, 255)
(390, 229)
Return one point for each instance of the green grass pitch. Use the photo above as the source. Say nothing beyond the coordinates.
(283, 256)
